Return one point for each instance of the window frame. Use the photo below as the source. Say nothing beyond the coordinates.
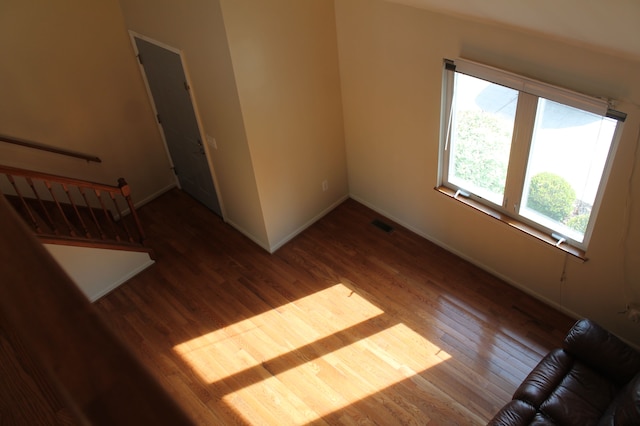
(529, 91)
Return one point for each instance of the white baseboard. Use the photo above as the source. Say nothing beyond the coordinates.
(247, 234)
(471, 260)
(148, 199)
(308, 224)
(153, 196)
(272, 248)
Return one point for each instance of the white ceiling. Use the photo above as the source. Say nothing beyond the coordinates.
(610, 24)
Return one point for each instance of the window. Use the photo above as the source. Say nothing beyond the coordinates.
(536, 153)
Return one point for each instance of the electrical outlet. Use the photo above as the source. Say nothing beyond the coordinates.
(325, 185)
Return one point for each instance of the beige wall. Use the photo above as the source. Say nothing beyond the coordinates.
(391, 68)
(266, 80)
(284, 55)
(196, 28)
(68, 79)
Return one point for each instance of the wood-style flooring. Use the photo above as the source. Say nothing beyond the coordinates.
(346, 324)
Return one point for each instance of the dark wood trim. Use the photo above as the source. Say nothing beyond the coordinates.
(57, 178)
(115, 232)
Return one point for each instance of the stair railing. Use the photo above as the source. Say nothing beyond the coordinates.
(64, 210)
(49, 148)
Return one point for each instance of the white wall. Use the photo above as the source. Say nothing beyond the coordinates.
(391, 72)
(284, 55)
(98, 271)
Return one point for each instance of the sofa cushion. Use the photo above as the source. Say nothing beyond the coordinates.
(625, 409)
(544, 378)
(581, 398)
(593, 380)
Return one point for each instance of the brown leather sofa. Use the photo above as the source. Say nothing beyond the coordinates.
(593, 380)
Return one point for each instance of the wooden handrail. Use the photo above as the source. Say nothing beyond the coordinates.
(56, 178)
(100, 380)
(53, 149)
(63, 210)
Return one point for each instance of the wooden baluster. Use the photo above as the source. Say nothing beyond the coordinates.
(64, 216)
(51, 215)
(107, 215)
(32, 217)
(125, 190)
(47, 215)
(93, 215)
(122, 221)
(87, 234)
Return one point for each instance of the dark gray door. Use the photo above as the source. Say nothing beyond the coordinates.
(172, 98)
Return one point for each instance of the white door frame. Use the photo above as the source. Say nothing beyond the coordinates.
(203, 137)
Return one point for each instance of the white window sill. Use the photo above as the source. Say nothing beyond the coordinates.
(567, 248)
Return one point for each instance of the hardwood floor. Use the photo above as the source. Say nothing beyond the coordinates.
(346, 324)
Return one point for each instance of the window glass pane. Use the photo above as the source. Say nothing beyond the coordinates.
(568, 153)
(482, 127)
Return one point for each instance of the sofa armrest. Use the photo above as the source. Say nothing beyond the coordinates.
(602, 351)
(544, 378)
(515, 413)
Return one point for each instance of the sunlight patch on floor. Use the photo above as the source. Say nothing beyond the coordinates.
(277, 331)
(309, 358)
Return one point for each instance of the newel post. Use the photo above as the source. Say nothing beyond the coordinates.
(125, 190)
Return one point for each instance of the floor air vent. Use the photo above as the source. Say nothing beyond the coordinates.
(384, 226)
